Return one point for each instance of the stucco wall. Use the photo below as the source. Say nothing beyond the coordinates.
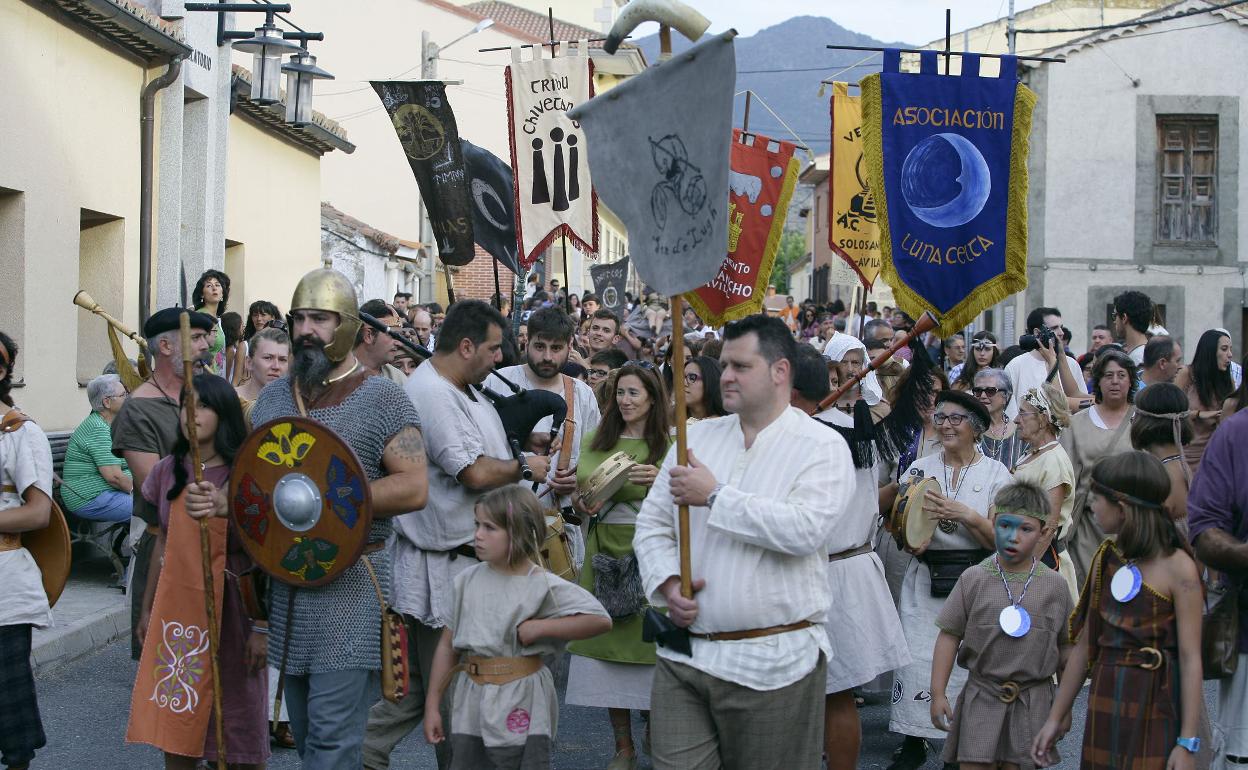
(1092, 204)
(272, 215)
(70, 128)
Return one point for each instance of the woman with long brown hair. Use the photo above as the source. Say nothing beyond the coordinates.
(615, 670)
(1207, 383)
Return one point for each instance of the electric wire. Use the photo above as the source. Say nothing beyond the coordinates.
(1135, 23)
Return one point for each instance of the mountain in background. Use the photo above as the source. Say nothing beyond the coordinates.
(783, 65)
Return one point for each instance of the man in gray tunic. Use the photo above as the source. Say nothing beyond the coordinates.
(468, 456)
(333, 654)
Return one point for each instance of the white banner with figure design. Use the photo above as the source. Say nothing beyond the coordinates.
(553, 192)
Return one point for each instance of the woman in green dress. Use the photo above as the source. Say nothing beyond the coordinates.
(614, 670)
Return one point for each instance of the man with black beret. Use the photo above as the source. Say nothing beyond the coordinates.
(146, 429)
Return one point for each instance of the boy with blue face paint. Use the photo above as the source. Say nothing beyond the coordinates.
(1005, 622)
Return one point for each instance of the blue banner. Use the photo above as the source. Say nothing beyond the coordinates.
(950, 155)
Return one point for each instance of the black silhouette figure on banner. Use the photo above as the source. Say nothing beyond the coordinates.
(567, 185)
(681, 179)
(574, 168)
(561, 190)
(541, 191)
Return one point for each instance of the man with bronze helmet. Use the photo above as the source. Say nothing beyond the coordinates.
(327, 637)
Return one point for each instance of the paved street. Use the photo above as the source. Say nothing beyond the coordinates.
(85, 705)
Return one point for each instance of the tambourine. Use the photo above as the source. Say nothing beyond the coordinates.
(910, 526)
(607, 479)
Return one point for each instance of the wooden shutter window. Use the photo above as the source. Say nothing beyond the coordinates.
(1187, 179)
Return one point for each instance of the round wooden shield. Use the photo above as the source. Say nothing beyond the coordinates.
(50, 548)
(911, 527)
(300, 499)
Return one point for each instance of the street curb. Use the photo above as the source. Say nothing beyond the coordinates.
(63, 645)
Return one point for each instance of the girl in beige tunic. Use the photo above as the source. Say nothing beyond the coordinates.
(510, 616)
(1009, 687)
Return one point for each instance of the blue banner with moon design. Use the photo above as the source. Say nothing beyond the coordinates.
(949, 155)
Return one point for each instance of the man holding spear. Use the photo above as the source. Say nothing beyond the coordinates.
(766, 487)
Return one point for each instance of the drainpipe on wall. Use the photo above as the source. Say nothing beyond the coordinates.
(147, 133)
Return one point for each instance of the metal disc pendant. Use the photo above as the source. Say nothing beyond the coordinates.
(1126, 583)
(1015, 621)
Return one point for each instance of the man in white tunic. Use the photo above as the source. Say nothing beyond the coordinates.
(766, 487)
(550, 343)
(468, 456)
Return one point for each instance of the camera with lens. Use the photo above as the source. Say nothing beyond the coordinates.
(1030, 342)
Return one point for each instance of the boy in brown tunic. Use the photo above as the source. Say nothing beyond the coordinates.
(1006, 623)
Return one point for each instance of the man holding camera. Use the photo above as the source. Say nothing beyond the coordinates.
(1031, 370)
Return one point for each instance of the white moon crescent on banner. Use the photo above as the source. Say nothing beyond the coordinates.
(945, 180)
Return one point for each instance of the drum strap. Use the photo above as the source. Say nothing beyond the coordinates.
(569, 422)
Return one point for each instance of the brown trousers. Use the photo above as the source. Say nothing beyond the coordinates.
(700, 722)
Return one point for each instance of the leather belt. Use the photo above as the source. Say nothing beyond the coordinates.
(10, 541)
(752, 633)
(1147, 658)
(499, 670)
(8, 488)
(1007, 691)
(374, 546)
(850, 553)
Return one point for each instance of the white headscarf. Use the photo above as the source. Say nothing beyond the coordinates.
(835, 350)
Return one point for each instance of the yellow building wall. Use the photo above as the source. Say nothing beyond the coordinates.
(69, 142)
(272, 216)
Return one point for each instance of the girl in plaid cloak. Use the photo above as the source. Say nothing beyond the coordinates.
(1137, 625)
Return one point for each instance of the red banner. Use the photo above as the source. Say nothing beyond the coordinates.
(761, 181)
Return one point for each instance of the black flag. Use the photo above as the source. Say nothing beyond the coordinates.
(425, 123)
(493, 204)
(609, 284)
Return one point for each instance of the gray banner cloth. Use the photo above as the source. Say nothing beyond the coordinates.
(658, 148)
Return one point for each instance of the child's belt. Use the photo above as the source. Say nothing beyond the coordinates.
(498, 670)
(1007, 691)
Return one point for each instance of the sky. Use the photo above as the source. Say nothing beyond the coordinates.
(911, 21)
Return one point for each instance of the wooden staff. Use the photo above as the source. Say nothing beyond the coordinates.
(210, 603)
(926, 323)
(682, 447)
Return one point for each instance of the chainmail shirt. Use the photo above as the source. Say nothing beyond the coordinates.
(336, 626)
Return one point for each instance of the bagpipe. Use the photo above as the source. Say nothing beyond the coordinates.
(519, 412)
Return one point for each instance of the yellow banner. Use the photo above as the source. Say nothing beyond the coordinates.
(855, 232)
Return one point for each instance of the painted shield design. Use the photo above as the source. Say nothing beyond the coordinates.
(301, 501)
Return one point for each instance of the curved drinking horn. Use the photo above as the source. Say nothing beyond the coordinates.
(668, 13)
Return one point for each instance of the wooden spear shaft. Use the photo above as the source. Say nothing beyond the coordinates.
(210, 602)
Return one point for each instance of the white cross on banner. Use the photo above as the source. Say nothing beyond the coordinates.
(554, 195)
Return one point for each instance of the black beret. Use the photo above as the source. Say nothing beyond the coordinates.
(169, 319)
(967, 402)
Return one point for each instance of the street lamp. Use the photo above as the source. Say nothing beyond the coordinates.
(431, 50)
(267, 47)
(300, 72)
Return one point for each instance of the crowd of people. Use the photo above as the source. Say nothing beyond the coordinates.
(1085, 512)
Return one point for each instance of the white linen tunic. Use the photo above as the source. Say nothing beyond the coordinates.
(25, 461)
(862, 623)
(761, 548)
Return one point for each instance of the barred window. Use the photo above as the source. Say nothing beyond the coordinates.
(1187, 171)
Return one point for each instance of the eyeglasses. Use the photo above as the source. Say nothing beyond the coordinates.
(692, 377)
(989, 392)
(597, 374)
(955, 418)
